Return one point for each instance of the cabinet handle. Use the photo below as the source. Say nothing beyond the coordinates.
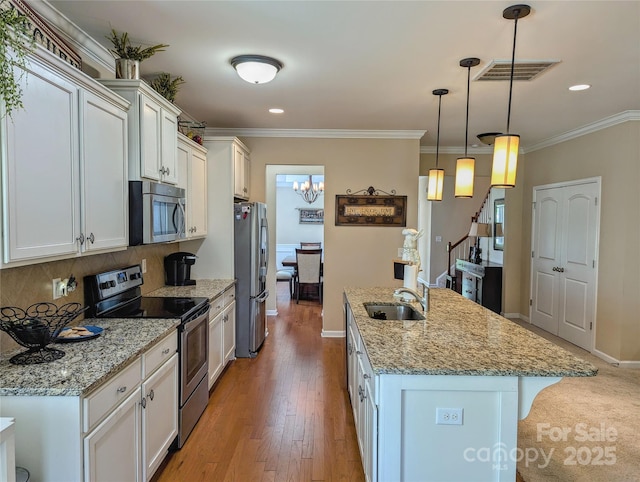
(561, 270)
(166, 171)
(80, 239)
(143, 402)
(161, 170)
(151, 394)
(91, 238)
(166, 351)
(361, 394)
(350, 348)
(122, 389)
(358, 352)
(366, 376)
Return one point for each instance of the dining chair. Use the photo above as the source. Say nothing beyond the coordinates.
(308, 272)
(311, 245)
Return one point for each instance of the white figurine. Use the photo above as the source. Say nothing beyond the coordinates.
(410, 246)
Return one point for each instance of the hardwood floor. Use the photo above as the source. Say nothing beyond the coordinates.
(283, 416)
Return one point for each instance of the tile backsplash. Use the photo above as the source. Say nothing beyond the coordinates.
(26, 285)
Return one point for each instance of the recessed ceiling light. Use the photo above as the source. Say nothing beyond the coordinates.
(276, 110)
(579, 87)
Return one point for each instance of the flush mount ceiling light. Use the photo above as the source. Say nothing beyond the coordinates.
(276, 110)
(505, 151)
(435, 184)
(488, 138)
(256, 69)
(465, 166)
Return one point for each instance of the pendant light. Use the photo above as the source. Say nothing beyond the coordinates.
(465, 166)
(435, 184)
(505, 149)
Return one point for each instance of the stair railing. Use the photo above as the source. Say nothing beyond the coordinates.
(460, 249)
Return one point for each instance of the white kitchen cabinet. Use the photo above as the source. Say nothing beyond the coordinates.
(192, 176)
(241, 171)
(153, 124)
(159, 429)
(64, 163)
(112, 450)
(222, 333)
(229, 332)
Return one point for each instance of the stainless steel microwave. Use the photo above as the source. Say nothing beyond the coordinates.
(156, 213)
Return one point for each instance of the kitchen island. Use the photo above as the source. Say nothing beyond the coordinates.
(440, 398)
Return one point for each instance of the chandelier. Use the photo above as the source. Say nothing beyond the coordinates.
(309, 190)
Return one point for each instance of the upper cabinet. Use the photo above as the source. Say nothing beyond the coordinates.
(192, 176)
(64, 167)
(241, 171)
(153, 124)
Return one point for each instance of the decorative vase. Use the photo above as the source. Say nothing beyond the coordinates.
(127, 69)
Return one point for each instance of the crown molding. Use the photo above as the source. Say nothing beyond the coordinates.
(626, 116)
(77, 38)
(457, 150)
(314, 133)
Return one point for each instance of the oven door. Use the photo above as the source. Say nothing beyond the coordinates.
(194, 349)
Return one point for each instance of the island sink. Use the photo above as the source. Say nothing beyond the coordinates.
(392, 312)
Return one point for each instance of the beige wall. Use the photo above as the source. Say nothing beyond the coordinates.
(26, 285)
(354, 256)
(613, 154)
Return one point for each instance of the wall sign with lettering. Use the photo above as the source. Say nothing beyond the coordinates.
(371, 209)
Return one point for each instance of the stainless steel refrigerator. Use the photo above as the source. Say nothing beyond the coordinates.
(251, 242)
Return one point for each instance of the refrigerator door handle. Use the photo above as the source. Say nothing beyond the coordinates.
(263, 296)
(266, 256)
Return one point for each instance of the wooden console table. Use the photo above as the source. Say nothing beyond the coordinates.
(481, 283)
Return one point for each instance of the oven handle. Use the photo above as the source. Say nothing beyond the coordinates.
(191, 324)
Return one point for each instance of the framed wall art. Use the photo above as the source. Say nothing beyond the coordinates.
(311, 216)
(371, 209)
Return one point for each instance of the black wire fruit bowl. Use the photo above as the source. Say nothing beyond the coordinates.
(35, 327)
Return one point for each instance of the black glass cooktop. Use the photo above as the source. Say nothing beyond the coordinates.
(158, 307)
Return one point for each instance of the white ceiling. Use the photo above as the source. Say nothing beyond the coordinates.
(372, 65)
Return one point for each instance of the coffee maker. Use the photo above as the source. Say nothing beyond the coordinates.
(177, 268)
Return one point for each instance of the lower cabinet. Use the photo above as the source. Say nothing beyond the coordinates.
(222, 333)
(120, 432)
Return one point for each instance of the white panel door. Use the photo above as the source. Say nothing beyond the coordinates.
(41, 169)
(104, 178)
(563, 281)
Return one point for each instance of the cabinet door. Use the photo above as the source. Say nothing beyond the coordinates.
(370, 429)
(104, 180)
(112, 450)
(169, 142)
(159, 415)
(197, 193)
(352, 363)
(150, 138)
(41, 169)
(216, 357)
(229, 332)
(239, 180)
(183, 152)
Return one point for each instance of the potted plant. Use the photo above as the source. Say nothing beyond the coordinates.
(165, 86)
(128, 57)
(15, 45)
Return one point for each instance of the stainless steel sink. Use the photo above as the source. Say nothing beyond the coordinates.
(392, 312)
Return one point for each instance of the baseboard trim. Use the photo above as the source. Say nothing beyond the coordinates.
(616, 362)
(516, 316)
(333, 334)
(272, 312)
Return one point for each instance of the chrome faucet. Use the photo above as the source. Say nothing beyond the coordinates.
(424, 299)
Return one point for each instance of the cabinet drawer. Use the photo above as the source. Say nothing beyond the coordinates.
(160, 353)
(114, 391)
(216, 306)
(229, 296)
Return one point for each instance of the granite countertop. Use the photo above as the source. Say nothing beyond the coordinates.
(89, 363)
(86, 364)
(458, 337)
(205, 288)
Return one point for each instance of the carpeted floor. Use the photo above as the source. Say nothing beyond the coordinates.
(583, 429)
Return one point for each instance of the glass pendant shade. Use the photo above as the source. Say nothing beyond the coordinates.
(505, 161)
(465, 167)
(435, 185)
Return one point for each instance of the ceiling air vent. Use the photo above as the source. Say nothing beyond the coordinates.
(523, 69)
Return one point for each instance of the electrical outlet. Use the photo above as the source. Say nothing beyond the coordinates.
(143, 266)
(55, 283)
(449, 416)
(438, 239)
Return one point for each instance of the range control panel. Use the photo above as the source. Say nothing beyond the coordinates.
(117, 281)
